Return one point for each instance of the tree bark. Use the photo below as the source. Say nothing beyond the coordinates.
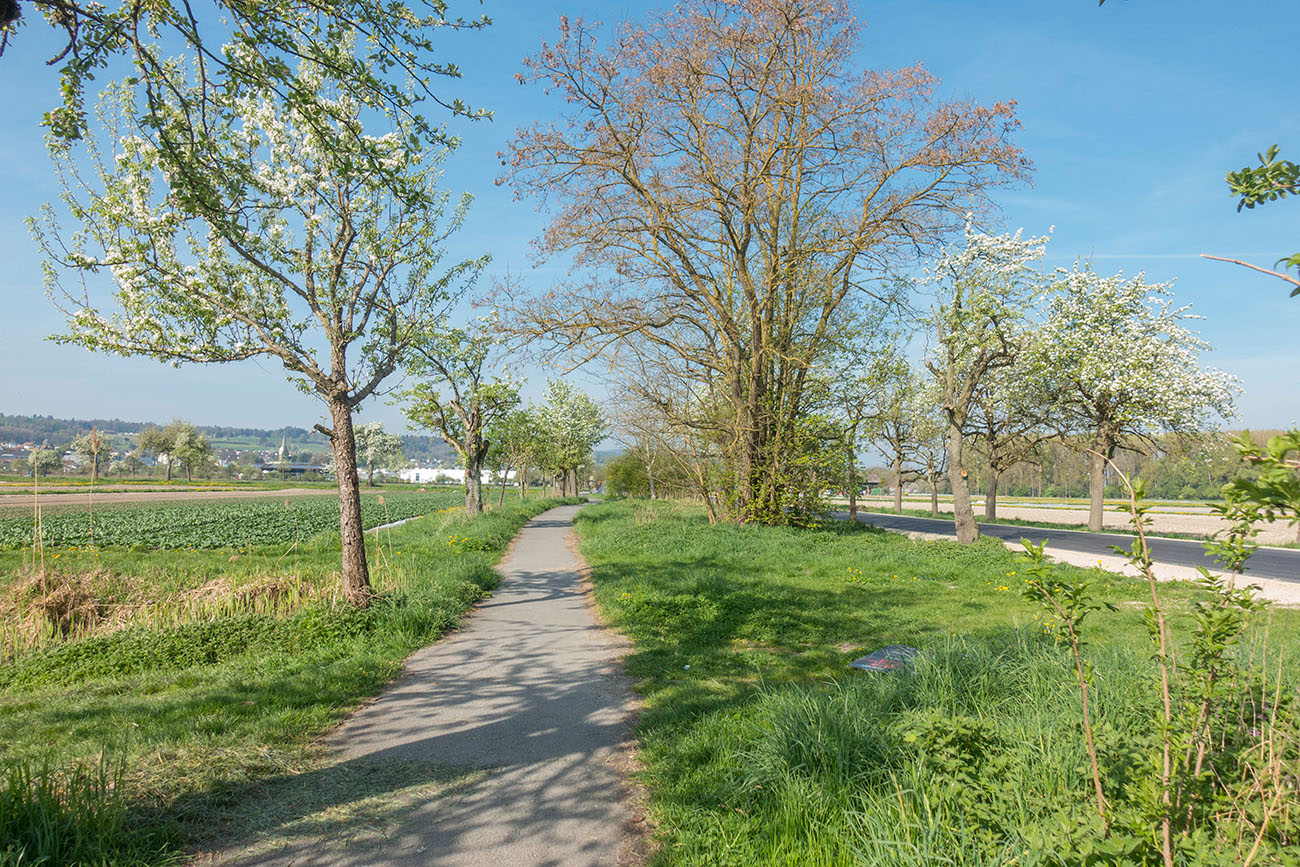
(189, 473)
(473, 483)
(650, 478)
(963, 515)
(1097, 484)
(356, 574)
(853, 488)
(370, 475)
(991, 498)
(898, 483)
(934, 498)
(169, 468)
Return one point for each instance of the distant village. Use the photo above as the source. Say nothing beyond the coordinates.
(226, 463)
(128, 451)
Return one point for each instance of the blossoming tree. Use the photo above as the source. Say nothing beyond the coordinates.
(986, 290)
(572, 424)
(1121, 366)
(460, 397)
(377, 448)
(259, 230)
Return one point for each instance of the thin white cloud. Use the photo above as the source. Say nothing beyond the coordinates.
(1168, 255)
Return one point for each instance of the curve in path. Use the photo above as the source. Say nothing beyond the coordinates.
(1278, 563)
(530, 690)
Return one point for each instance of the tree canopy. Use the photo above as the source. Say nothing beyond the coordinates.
(725, 178)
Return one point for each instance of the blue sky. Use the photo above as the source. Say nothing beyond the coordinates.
(1132, 114)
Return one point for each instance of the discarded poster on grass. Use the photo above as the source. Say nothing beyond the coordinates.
(889, 658)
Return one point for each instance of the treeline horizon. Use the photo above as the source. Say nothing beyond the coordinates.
(59, 432)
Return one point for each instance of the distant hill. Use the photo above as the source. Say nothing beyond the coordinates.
(58, 432)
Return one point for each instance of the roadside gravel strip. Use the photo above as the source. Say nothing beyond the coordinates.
(530, 692)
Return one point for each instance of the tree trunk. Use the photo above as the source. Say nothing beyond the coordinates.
(650, 477)
(898, 483)
(169, 468)
(1097, 485)
(473, 483)
(991, 497)
(934, 498)
(356, 574)
(853, 487)
(963, 515)
(189, 473)
(370, 475)
(505, 480)
(523, 480)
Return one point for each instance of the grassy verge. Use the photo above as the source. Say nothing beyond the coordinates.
(166, 732)
(762, 747)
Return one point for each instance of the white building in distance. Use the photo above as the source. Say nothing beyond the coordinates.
(447, 476)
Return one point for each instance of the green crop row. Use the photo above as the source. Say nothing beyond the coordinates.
(218, 524)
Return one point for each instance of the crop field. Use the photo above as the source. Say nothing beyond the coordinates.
(235, 524)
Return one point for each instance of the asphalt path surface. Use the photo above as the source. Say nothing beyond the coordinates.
(530, 692)
(1278, 563)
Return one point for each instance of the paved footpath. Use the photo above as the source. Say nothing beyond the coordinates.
(530, 689)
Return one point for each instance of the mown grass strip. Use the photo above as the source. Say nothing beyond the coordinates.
(762, 747)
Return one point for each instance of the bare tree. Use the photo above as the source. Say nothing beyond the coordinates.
(727, 181)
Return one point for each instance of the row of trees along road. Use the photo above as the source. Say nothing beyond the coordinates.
(739, 246)
(1021, 356)
(1020, 363)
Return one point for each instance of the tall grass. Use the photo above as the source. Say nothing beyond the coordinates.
(763, 748)
(40, 607)
(75, 816)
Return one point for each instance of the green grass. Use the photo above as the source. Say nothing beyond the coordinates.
(204, 716)
(762, 747)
